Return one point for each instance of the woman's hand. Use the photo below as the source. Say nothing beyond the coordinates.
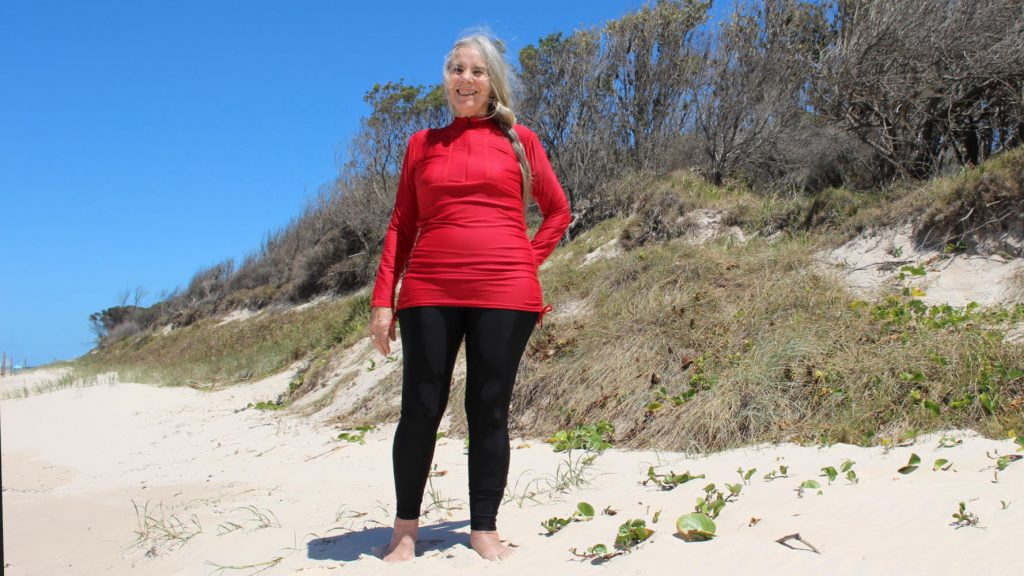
(382, 328)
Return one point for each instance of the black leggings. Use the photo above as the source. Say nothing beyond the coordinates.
(431, 335)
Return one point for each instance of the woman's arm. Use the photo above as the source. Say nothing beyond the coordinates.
(548, 194)
(398, 243)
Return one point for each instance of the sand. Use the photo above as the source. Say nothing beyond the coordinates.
(121, 478)
(870, 266)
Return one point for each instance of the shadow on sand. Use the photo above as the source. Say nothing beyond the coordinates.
(350, 546)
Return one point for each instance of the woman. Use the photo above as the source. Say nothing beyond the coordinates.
(458, 242)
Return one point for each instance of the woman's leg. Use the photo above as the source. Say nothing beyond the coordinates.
(430, 342)
(495, 341)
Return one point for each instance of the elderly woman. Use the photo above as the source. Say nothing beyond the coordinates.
(458, 241)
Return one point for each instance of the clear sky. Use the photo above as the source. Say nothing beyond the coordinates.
(143, 140)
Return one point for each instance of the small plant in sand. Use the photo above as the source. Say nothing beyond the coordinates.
(438, 503)
(962, 517)
(695, 527)
(269, 405)
(670, 480)
(572, 473)
(359, 435)
(156, 527)
(713, 501)
(746, 475)
(846, 469)
(630, 535)
(256, 518)
(584, 512)
(941, 464)
(593, 437)
(948, 442)
(781, 472)
(1002, 461)
(911, 465)
(808, 485)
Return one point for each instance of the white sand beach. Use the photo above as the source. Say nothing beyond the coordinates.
(121, 478)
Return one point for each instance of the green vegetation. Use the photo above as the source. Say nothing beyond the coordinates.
(714, 500)
(912, 464)
(359, 436)
(695, 527)
(670, 480)
(593, 437)
(629, 535)
(584, 512)
(962, 517)
(846, 469)
(808, 485)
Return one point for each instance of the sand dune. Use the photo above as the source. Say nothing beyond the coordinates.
(133, 479)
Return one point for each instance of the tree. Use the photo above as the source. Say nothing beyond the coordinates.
(927, 83)
(653, 63)
(566, 100)
(752, 83)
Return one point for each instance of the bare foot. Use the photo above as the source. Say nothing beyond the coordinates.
(488, 545)
(403, 541)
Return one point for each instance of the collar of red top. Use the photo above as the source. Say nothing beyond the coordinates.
(471, 121)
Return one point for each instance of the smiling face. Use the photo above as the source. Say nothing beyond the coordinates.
(467, 83)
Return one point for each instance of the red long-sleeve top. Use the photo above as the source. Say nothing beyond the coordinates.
(457, 229)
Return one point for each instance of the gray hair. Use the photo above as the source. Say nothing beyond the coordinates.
(500, 106)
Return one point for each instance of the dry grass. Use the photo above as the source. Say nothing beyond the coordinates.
(767, 350)
(208, 353)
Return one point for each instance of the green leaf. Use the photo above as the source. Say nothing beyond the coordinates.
(585, 509)
(553, 525)
(912, 464)
(599, 549)
(810, 485)
(695, 527)
(631, 533)
(988, 402)
(829, 472)
(847, 465)
(676, 479)
(933, 406)
(941, 464)
(962, 402)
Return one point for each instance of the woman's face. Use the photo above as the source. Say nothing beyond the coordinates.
(467, 83)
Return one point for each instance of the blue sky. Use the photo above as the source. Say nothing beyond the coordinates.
(141, 141)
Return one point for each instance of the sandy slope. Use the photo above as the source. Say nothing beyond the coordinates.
(263, 489)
